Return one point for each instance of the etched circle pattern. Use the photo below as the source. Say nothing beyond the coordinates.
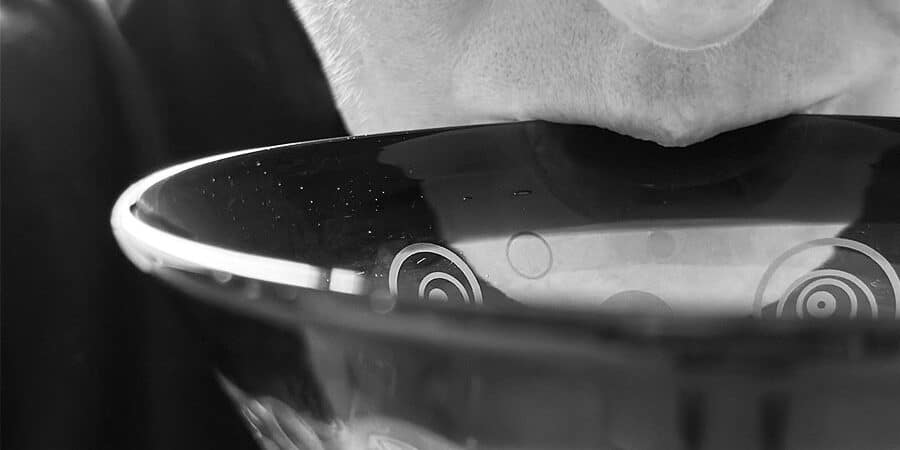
(636, 302)
(829, 293)
(821, 304)
(529, 255)
(468, 288)
(661, 244)
(822, 293)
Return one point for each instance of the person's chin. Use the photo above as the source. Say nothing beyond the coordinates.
(660, 125)
(669, 124)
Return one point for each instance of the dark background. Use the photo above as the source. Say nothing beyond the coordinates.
(95, 95)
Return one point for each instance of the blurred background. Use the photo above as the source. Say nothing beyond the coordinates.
(95, 94)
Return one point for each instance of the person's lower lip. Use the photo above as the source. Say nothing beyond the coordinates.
(686, 27)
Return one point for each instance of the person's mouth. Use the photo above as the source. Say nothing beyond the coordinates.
(687, 24)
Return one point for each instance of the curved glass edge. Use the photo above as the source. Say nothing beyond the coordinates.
(151, 248)
(147, 246)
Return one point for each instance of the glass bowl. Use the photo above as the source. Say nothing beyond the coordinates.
(542, 286)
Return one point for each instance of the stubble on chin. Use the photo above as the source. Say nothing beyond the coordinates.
(565, 61)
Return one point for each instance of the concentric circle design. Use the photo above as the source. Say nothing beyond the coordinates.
(825, 292)
(820, 302)
(436, 293)
(529, 255)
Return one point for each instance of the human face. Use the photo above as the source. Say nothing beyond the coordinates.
(671, 71)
